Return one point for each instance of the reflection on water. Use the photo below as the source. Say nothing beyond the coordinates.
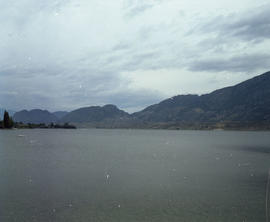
(133, 175)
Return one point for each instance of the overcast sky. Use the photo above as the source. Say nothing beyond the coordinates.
(66, 54)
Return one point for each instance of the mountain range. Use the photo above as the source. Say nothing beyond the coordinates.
(245, 105)
(35, 116)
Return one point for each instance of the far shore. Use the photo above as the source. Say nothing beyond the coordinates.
(197, 127)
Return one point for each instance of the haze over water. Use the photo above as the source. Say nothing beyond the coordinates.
(133, 175)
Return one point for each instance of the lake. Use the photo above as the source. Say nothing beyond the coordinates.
(133, 175)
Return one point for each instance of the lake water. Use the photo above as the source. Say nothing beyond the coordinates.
(133, 175)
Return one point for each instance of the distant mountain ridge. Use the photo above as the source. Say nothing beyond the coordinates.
(247, 101)
(35, 116)
(60, 114)
(245, 105)
(94, 114)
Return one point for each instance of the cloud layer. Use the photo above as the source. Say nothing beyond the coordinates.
(61, 55)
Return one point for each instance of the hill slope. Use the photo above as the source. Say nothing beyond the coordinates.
(94, 114)
(60, 114)
(248, 101)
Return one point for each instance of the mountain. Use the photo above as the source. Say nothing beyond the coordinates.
(60, 114)
(35, 116)
(243, 106)
(247, 102)
(95, 114)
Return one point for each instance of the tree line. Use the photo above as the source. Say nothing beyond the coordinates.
(8, 123)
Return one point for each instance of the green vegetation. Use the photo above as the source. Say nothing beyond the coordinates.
(20, 125)
(7, 122)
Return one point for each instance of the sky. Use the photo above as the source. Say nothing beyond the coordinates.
(66, 54)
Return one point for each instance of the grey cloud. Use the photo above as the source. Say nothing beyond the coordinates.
(121, 46)
(82, 87)
(233, 43)
(142, 60)
(149, 50)
(253, 25)
(21, 12)
(76, 60)
(26, 72)
(241, 63)
(136, 7)
(25, 100)
(136, 10)
(152, 56)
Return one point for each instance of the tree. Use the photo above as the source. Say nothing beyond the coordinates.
(7, 122)
(11, 122)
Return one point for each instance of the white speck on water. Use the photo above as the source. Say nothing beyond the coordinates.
(107, 176)
(246, 164)
(21, 135)
(243, 164)
(54, 210)
(119, 206)
(70, 205)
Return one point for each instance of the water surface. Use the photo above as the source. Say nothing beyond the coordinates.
(133, 175)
